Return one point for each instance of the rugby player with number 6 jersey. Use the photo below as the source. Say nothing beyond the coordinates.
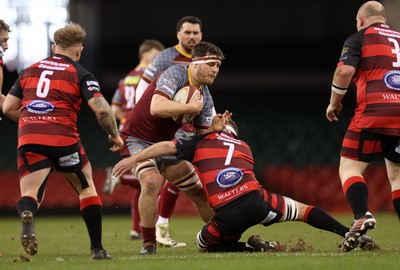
(45, 100)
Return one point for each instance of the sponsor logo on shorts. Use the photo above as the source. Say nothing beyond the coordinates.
(70, 160)
(271, 215)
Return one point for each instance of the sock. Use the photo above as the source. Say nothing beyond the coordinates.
(27, 203)
(166, 204)
(162, 220)
(91, 209)
(149, 234)
(318, 218)
(135, 211)
(356, 192)
(396, 201)
(130, 180)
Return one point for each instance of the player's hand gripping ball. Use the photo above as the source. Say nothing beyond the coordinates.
(187, 94)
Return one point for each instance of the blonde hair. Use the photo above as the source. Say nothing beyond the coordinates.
(70, 35)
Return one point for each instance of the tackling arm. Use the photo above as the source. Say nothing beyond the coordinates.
(153, 151)
(218, 123)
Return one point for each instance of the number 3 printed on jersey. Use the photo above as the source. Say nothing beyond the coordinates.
(43, 86)
(396, 51)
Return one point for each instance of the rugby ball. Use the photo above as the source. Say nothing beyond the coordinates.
(187, 94)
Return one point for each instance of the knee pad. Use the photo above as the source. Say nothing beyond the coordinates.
(291, 210)
(144, 166)
(187, 182)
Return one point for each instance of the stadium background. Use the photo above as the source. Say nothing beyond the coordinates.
(275, 79)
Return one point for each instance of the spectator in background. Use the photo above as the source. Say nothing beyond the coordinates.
(189, 33)
(151, 120)
(225, 166)
(122, 102)
(4, 30)
(371, 58)
(46, 100)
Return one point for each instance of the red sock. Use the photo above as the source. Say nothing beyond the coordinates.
(135, 211)
(149, 234)
(129, 179)
(166, 204)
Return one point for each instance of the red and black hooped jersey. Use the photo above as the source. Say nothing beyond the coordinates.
(223, 163)
(51, 93)
(375, 53)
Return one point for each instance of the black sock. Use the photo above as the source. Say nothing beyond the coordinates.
(92, 215)
(27, 203)
(396, 204)
(322, 220)
(357, 196)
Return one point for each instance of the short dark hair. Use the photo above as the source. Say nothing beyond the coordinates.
(149, 44)
(189, 19)
(4, 26)
(205, 48)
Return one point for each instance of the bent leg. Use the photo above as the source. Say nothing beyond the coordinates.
(183, 176)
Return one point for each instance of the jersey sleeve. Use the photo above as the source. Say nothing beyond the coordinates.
(351, 52)
(90, 87)
(186, 147)
(171, 81)
(204, 119)
(16, 90)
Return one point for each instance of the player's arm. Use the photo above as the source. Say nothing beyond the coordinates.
(2, 98)
(106, 119)
(341, 81)
(155, 150)
(12, 107)
(218, 123)
(163, 107)
(1, 77)
(344, 72)
(117, 111)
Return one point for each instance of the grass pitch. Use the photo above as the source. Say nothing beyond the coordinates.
(64, 244)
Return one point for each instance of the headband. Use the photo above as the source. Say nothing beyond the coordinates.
(206, 59)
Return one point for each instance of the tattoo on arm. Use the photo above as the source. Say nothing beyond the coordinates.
(104, 115)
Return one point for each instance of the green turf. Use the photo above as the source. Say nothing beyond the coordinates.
(63, 244)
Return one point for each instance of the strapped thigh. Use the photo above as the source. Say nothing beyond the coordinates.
(143, 166)
(187, 181)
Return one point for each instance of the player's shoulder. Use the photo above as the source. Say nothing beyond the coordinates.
(166, 55)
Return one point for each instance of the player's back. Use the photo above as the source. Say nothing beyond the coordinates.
(226, 168)
(377, 80)
(51, 100)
